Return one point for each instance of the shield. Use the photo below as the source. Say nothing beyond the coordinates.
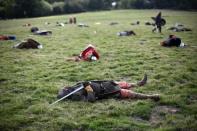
(163, 22)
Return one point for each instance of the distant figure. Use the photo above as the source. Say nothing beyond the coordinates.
(135, 23)
(113, 23)
(7, 37)
(59, 24)
(43, 32)
(47, 23)
(159, 22)
(172, 41)
(28, 44)
(88, 54)
(149, 23)
(179, 28)
(126, 33)
(34, 29)
(82, 25)
(26, 25)
(74, 20)
(70, 20)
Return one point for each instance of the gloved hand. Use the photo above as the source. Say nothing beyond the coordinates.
(86, 83)
(88, 88)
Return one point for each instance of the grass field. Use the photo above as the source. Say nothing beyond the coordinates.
(30, 79)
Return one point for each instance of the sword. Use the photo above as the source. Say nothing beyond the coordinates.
(81, 87)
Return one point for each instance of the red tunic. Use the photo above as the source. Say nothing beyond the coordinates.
(88, 52)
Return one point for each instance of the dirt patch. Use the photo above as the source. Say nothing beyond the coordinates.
(3, 80)
(141, 120)
(159, 112)
(191, 99)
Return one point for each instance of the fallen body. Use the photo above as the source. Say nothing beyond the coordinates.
(113, 23)
(82, 25)
(172, 41)
(28, 44)
(95, 90)
(7, 37)
(36, 31)
(42, 32)
(135, 23)
(179, 28)
(126, 33)
(88, 54)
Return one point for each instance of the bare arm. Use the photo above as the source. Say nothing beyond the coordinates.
(90, 94)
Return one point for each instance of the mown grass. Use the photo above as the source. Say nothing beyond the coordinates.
(30, 79)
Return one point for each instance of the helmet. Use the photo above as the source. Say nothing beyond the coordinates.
(93, 58)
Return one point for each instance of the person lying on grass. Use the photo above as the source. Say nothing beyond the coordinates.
(7, 37)
(126, 33)
(88, 54)
(172, 41)
(43, 32)
(179, 28)
(36, 31)
(28, 44)
(95, 90)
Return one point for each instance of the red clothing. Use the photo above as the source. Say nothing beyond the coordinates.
(88, 52)
(123, 85)
(124, 92)
(3, 37)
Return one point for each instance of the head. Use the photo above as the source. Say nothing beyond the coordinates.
(63, 92)
(131, 32)
(77, 96)
(159, 14)
(171, 36)
(34, 29)
(93, 58)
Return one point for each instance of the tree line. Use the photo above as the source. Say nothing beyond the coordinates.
(34, 8)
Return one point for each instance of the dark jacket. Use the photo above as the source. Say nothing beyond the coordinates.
(159, 21)
(101, 90)
(28, 44)
(172, 41)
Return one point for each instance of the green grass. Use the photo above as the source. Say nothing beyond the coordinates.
(30, 79)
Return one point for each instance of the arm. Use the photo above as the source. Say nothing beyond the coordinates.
(91, 97)
(90, 94)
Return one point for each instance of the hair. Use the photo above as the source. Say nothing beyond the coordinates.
(170, 36)
(162, 43)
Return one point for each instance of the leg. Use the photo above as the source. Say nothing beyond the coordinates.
(125, 85)
(154, 29)
(128, 94)
(159, 28)
(70, 59)
(77, 59)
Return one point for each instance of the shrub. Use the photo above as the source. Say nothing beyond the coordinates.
(58, 7)
(43, 8)
(74, 6)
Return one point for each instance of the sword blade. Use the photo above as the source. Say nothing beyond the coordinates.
(81, 87)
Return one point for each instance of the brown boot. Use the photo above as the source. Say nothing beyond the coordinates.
(143, 81)
(155, 97)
